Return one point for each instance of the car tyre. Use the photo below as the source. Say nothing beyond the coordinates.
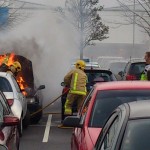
(37, 117)
(26, 120)
(20, 127)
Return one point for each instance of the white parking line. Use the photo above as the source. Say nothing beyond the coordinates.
(47, 129)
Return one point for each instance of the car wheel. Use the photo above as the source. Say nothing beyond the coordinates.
(37, 117)
(26, 120)
(20, 127)
(17, 139)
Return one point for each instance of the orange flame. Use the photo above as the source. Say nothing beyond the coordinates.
(22, 84)
(8, 59)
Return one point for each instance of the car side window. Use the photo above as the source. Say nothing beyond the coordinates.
(85, 105)
(16, 84)
(4, 103)
(110, 135)
(1, 113)
(5, 85)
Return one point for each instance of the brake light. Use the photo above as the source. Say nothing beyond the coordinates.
(10, 102)
(131, 77)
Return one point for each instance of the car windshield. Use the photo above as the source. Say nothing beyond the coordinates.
(137, 135)
(107, 101)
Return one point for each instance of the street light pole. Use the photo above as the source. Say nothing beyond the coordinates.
(81, 30)
(133, 53)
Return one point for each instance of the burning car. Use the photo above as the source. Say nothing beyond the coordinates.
(25, 80)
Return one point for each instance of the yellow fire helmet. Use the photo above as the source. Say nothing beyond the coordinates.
(17, 65)
(80, 64)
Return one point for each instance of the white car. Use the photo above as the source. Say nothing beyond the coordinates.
(16, 100)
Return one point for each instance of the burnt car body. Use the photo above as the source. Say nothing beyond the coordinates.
(25, 79)
(33, 94)
(94, 75)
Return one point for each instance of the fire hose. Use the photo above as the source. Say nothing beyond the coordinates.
(49, 104)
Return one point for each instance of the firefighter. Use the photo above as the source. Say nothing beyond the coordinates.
(15, 68)
(146, 73)
(76, 80)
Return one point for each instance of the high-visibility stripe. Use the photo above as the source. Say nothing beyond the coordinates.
(75, 81)
(77, 92)
(67, 111)
(143, 77)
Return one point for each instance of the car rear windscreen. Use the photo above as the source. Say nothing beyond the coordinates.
(137, 68)
(107, 101)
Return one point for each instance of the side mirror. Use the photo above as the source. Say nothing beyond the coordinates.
(10, 121)
(41, 87)
(72, 121)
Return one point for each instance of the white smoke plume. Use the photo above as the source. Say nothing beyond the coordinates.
(50, 43)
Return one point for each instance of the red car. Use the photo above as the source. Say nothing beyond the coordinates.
(101, 101)
(9, 136)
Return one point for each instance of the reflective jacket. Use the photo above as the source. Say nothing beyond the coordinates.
(144, 74)
(76, 79)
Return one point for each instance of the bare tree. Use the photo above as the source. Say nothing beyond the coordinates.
(137, 12)
(10, 14)
(85, 18)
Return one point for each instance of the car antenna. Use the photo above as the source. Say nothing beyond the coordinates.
(91, 62)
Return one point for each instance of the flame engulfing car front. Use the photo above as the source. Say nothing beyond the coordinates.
(25, 80)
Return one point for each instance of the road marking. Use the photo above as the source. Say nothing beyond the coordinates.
(47, 129)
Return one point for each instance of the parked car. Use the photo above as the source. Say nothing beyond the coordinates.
(16, 100)
(94, 75)
(9, 135)
(117, 66)
(34, 102)
(100, 102)
(128, 128)
(133, 69)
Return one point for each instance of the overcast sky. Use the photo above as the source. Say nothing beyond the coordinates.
(106, 3)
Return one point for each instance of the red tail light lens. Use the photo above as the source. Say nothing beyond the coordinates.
(131, 77)
(10, 102)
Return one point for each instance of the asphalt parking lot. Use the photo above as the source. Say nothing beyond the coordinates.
(46, 135)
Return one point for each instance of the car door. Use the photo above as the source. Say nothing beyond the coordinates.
(109, 135)
(9, 132)
(78, 136)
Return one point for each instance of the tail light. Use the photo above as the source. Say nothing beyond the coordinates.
(2, 137)
(131, 77)
(10, 102)
(65, 89)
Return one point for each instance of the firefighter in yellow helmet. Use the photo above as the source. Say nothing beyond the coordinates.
(15, 68)
(76, 80)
